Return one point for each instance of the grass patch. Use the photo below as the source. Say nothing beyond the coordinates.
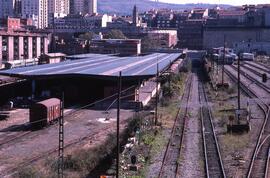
(28, 172)
(82, 161)
(234, 142)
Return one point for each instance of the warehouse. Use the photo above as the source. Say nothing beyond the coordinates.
(88, 77)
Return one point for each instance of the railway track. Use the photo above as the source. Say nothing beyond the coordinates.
(212, 157)
(11, 138)
(258, 66)
(14, 133)
(252, 79)
(170, 162)
(252, 69)
(8, 138)
(259, 164)
(91, 136)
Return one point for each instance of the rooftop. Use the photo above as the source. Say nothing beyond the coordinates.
(99, 65)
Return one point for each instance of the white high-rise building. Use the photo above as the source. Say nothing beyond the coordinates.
(92, 6)
(57, 9)
(37, 10)
(58, 6)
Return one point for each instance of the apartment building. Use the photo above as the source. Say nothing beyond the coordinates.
(36, 10)
(21, 46)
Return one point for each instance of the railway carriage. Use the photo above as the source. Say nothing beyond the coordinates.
(45, 112)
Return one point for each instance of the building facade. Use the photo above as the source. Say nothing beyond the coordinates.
(121, 46)
(22, 46)
(83, 6)
(190, 34)
(56, 9)
(80, 23)
(163, 38)
(214, 36)
(6, 8)
(36, 10)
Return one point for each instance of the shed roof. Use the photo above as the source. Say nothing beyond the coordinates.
(100, 65)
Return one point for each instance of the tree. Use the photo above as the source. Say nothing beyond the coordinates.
(148, 43)
(116, 34)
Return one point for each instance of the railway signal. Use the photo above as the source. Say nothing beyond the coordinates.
(264, 78)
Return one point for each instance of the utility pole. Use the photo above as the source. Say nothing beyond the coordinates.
(238, 84)
(223, 63)
(61, 140)
(156, 112)
(118, 118)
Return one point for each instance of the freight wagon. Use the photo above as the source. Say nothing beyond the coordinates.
(45, 112)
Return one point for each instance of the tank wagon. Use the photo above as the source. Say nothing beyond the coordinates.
(45, 112)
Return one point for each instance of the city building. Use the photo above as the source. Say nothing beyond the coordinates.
(83, 6)
(198, 13)
(190, 34)
(36, 10)
(252, 47)
(57, 8)
(148, 18)
(21, 46)
(163, 38)
(214, 36)
(120, 46)
(11, 24)
(243, 26)
(10, 8)
(92, 7)
(163, 19)
(179, 19)
(80, 23)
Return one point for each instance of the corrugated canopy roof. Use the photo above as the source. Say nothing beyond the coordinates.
(99, 65)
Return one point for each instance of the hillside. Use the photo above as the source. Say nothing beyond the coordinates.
(124, 7)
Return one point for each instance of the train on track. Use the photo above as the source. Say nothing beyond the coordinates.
(45, 112)
(218, 55)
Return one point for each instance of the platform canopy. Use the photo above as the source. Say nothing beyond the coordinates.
(99, 65)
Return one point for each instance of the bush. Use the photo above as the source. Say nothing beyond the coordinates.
(28, 172)
(167, 90)
(164, 102)
(231, 90)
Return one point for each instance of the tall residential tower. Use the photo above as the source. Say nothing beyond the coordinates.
(36, 10)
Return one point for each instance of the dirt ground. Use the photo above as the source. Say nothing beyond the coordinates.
(77, 126)
(192, 164)
(236, 149)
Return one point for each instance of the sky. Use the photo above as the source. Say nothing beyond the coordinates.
(231, 2)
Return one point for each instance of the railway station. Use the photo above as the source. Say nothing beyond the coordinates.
(89, 77)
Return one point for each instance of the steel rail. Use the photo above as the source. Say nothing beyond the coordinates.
(261, 85)
(209, 169)
(258, 67)
(176, 122)
(265, 108)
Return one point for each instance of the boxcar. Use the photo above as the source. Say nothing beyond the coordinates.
(45, 112)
